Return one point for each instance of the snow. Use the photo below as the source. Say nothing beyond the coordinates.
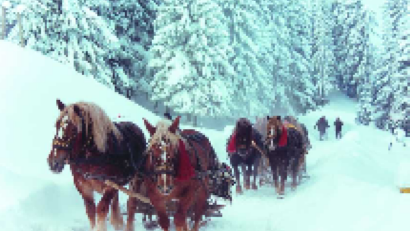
(6, 4)
(353, 186)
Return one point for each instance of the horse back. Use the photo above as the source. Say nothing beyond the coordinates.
(200, 149)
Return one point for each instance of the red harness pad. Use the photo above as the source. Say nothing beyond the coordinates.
(185, 169)
(231, 145)
(283, 140)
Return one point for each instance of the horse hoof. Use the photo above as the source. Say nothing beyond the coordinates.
(254, 187)
(247, 187)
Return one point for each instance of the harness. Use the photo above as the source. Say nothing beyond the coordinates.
(102, 159)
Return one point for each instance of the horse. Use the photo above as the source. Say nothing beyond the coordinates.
(292, 121)
(285, 147)
(176, 170)
(242, 151)
(96, 149)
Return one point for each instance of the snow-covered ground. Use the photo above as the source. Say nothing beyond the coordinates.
(353, 183)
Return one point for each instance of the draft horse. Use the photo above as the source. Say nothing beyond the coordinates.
(285, 148)
(242, 152)
(175, 169)
(292, 121)
(96, 150)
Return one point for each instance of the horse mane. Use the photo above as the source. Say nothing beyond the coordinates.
(243, 128)
(94, 116)
(162, 131)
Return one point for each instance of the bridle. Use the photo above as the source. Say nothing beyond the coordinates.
(168, 167)
(272, 138)
(66, 143)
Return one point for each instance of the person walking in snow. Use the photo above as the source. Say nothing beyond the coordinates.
(167, 116)
(322, 125)
(338, 127)
(398, 137)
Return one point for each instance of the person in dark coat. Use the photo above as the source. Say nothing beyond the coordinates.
(322, 125)
(338, 127)
(168, 116)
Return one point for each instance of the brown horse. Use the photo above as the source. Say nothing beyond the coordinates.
(96, 150)
(176, 169)
(285, 147)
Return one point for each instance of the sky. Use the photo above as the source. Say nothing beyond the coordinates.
(354, 182)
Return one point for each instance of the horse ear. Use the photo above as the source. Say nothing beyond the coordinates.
(77, 110)
(60, 105)
(151, 129)
(174, 125)
(278, 117)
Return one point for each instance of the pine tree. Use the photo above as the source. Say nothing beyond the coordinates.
(322, 50)
(365, 71)
(133, 23)
(189, 58)
(300, 89)
(391, 88)
(70, 32)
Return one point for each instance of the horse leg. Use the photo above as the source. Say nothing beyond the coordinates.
(135, 186)
(88, 196)
(116, 218)
(180, 217)
(246, 176)
(235, 163)
(200, 206)
(131, 209)
(273, 162)
(255, 172)
(162, 215)
(294, 169)
(284, 175)
(102, 208)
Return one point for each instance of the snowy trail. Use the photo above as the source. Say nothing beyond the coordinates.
(353, 184)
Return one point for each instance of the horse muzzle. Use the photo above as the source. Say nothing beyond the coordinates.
(56, 166)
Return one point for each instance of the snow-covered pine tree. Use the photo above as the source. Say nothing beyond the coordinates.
(244, 20)
(401, 79)
(350, 41)
(70, 32)
(322, 50)
(390, 90)
(133, 23)
(300, 89)
(366, 70)
(189, 58)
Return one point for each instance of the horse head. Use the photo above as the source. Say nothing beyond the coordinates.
(243, 136)
(274, 131)
(68, 127)
(163, 150)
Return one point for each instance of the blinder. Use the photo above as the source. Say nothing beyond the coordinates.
(66, 143)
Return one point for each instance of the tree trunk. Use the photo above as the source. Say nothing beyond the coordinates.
(3, 31)
(195, 121)
(156, 107)
(20, 29)
(129, 93)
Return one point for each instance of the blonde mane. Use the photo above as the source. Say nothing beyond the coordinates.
(93, 115)
(162, 131)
